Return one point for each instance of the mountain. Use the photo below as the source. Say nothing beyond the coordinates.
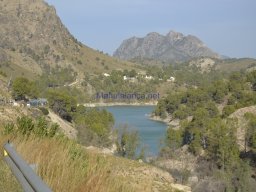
(34, 40)
(174, 47)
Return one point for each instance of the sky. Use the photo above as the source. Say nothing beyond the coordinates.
(228, 27)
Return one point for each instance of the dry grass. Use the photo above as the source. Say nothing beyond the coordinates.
(7, 181)
(67, 167)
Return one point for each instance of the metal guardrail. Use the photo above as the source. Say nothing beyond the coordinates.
(28, 179)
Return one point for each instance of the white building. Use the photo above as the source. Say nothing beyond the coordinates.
(106, 74)
(131, 79)
(149, 77)
(171, 79)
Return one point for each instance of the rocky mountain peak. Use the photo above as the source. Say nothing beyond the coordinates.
(174, 47)
(152, 34)
(174, 35)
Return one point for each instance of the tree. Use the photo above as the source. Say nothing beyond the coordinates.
(174, 138)
(127, 143)
(182, 112)
(227, 110)
(251, 131)
(172, 102)
(212, 109)
(195, 145)
(132, 73)
(160, 109)
(94, 125)
(62, 103)
(22, 87)
(222, 144)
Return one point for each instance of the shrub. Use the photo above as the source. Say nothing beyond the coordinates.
(53, 129)
(3, 74)
(22, 87)
(127, 143)
(44, 110)
(227, 110)
(25, 125)
(41, 127)
(8, 128)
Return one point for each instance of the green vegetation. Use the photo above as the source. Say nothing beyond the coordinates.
(209, 132)
(62, 103)
(44, 110)
(26, 126)
(23, 88)
(251, 131)
(3, 73)
(237, 91)
(57, 77)
(128, 144)
(66, 166)
(94, 126)
(71, 169)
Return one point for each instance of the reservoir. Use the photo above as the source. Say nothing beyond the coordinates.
(151, 133)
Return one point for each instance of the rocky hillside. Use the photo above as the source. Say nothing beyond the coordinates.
(174, 47)
(33, 40)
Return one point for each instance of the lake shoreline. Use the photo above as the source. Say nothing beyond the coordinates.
(159, 119)
(137, 118)
(150, 117)
(118, 104)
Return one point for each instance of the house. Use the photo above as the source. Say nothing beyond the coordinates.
(37, 102)
(171, 79)
(130, 79)
(16, 104)
(149, 77)
(106, 74)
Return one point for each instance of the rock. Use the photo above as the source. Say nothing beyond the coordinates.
(204, 64)
(174, 47)
(181, 187)
(192, 180)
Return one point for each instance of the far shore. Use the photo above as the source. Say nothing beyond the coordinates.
(151, 117)
(119, 104)
(157, 118)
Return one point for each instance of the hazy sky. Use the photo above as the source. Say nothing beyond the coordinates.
(226, 26)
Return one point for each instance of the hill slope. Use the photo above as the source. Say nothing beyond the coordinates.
(33, 40)
(174, 47)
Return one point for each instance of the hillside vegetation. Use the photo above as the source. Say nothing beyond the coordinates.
(67, 166)
(64, 164)
(211, 131)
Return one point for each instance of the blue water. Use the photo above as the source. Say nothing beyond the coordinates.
(151, 133)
